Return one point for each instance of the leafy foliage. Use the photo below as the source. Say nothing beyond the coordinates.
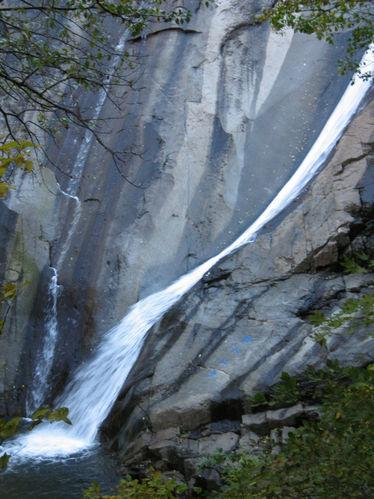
(310, 386)
(51, 415)
(357, 263)
(50, 49)
(4, 460)
(326, 18)
(214, 460)
(8, 293)
(354, 311)
(13, 154)
(329, 458)
(155, 486)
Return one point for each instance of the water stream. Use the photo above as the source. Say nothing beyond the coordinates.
(40, 383)
(95, 386)
(46, 355)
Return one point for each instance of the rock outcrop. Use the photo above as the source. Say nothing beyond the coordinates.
(246, 323)
(216, 118)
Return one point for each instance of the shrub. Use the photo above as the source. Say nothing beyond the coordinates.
(155, 486)
(329, 458)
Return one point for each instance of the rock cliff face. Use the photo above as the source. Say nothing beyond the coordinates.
(246, 322)
(216, 118)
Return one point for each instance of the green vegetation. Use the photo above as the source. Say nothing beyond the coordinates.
(13, 154)
(49, 49)
(313, 385)
(354, 312)
(326, 18)
(155, 486)
(8, 293)
(332, 457)
(357, 263)
(9, 428)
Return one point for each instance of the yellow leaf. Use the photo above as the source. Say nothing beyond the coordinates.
(9, 290)
(4, 189)
(27, 165)
(4, 162)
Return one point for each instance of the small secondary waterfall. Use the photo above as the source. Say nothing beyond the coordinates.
(97, 383)
(40, 379)
(40, 383)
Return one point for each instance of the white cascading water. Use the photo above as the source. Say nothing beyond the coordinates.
(97, 383)
(40, 379)
(40, 383)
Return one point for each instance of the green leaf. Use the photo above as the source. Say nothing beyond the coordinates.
(317, 318)
(60, 414)
(4, 189)
(4, 460)
(10, 428)
(258, 400)
(40, 413)
(9, 291)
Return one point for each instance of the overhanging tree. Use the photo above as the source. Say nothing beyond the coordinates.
(325, 19)
(49, 48)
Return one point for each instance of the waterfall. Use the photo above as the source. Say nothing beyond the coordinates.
(97, 383)
(49, 341)
(41, 375)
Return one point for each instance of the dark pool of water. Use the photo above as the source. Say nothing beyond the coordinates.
(59, 479)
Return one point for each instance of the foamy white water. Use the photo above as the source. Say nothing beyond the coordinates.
(97, 383)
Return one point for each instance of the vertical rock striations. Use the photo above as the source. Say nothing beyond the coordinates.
(239, 329)
(216, 117)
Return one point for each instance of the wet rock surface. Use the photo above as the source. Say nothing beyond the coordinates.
(218, 116)
(246, 323)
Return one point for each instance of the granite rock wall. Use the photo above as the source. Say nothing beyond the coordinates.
(216, 117)
(246, 322)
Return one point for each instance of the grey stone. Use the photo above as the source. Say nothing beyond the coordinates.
(287, 416)
(226, 442)
(276, 438)
(167, 434)
(209, 134)
(191, 466)
(355, 282)
(276, 418)
(254, 421)
(327, 255)
(208, 479)
(249, 441)
(235, 333)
